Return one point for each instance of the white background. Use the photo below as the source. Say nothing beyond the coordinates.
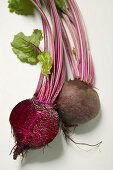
(18, 81)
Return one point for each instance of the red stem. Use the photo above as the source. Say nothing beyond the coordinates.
(44, 93)
(73, 34)
(68, 48)
(72, 59)
(58, 45)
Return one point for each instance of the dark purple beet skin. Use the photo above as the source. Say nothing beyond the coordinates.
(77, 103)
(34, 125)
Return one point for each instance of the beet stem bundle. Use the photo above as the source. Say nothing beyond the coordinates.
(75, 21)
(58, 74)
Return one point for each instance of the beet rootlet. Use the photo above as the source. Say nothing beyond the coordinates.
(34, 125)
(77, 103)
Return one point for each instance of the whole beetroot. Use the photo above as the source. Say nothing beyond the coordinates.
(77, 103)
(34, 125)
(34, 121)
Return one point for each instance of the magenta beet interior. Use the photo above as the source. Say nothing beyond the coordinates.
(34, 126)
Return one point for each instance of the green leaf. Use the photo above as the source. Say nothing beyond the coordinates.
(61, 5)
(26, 47)
(42, 2)
(74, 51)
(46, 61)
(21, 7)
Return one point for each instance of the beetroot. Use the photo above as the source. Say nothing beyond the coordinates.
(35, 122)
(77, 103)
(34, 125)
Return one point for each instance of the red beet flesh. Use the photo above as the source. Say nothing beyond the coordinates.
(34, 125)
(77, 103)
